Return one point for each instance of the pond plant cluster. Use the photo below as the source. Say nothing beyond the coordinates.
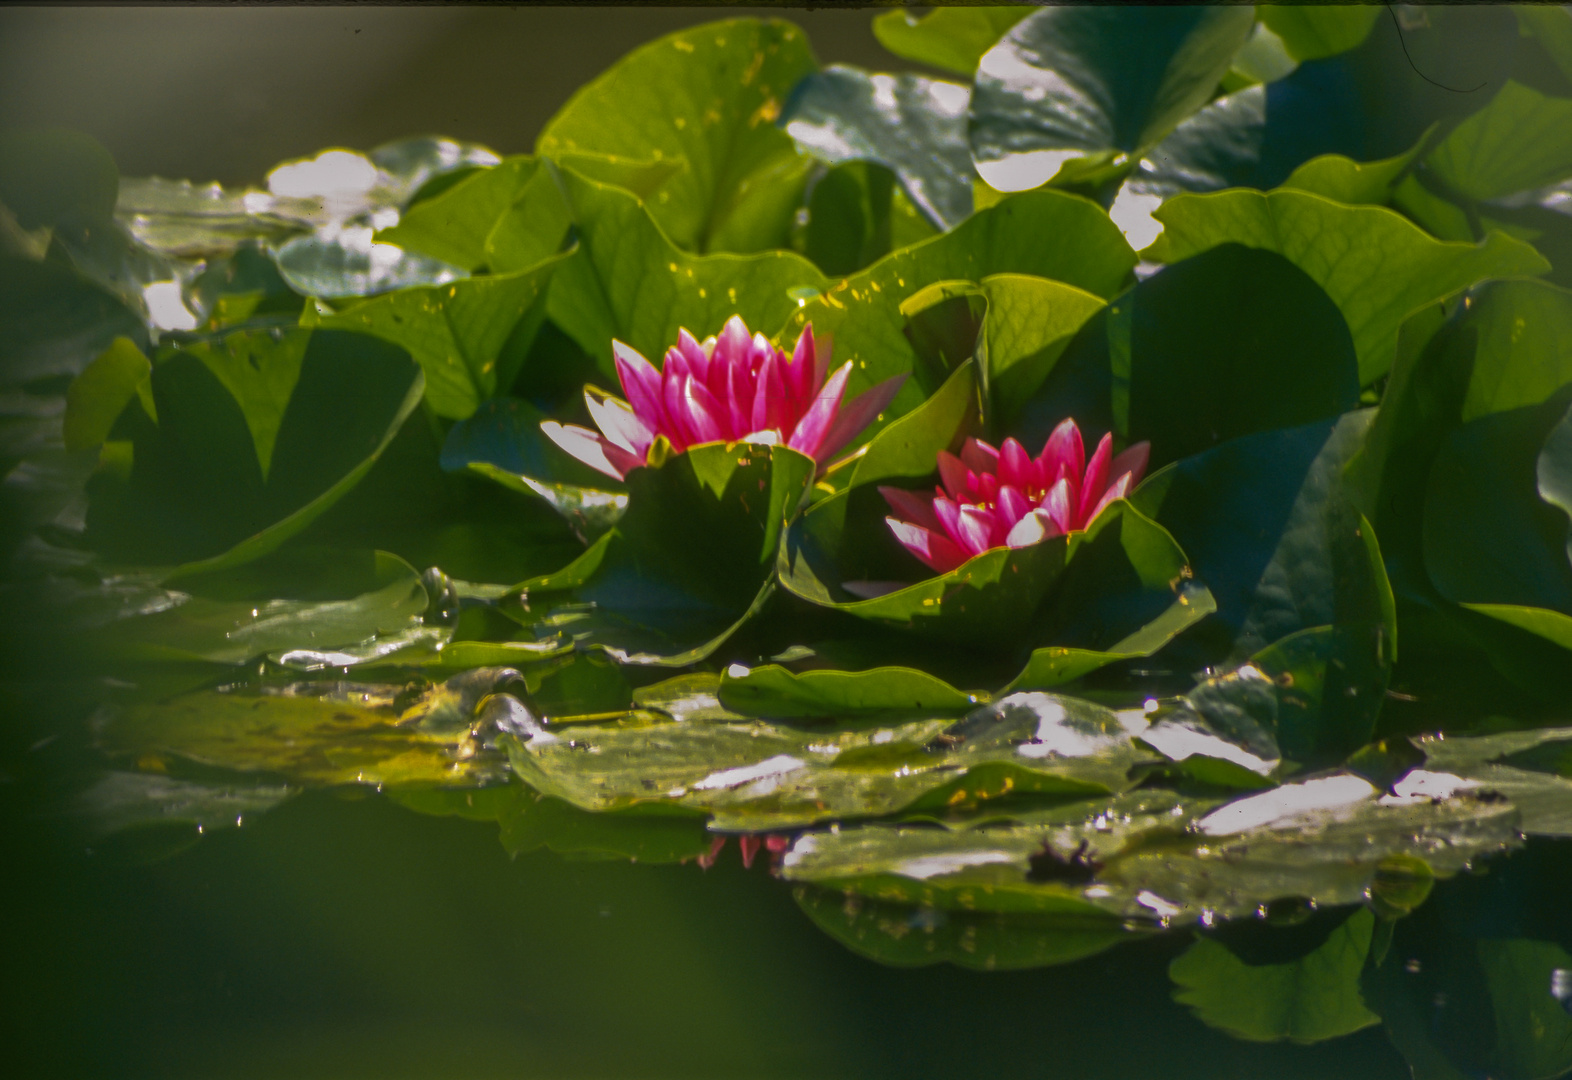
(1121, 487)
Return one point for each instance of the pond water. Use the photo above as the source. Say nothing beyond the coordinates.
(343, 934)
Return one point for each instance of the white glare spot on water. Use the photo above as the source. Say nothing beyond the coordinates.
(803, 847)
(1132, 212)
(1022, 172)
(926, 866)
(329, 174)
(1097, 892)
(1291, 804)
(772, 768)
(1421, 786)
(737, 671)
(882, 737)
(385, 218)
(166, 307)
(1165, 908)
(1178, 742)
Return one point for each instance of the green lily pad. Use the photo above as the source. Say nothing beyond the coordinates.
(456, 332)
(1521, 140)
(1396, 269)
(201, 492)
(1312, 33)
(629, 282)
(323, 736)
(1343, 180)
(863, 311)
(1072, 82)
(755, 776)
(1315, 997)
(455, 225)
(913, 126)
(55, 322)
(707, 96)
(849, 221)
(906, 936)
(1160, 857)
(776, 692)
(951, 39)
(306, 609)
(1183, 385)
(98, 396)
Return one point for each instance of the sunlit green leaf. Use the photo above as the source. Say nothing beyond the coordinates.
(708, 96)
(98, 395)
(953, 39)
(1314, 32)
(774, 691)
(1377, 267)
(1521, 140)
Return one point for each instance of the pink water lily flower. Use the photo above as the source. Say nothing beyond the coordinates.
(734, 388)
(1006, 498)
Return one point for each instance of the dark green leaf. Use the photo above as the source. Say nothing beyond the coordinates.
(1067, 82)
(913, 126)
(1227, 343)
(98, 395)
(849, 217)
(56, 177)
(1311, 999)
(774, 691)
(199, 487)
(708, 97)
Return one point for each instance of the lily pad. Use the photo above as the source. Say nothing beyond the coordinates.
(706, 96)
(456, 332)
(629, 282)
(952, 39)
(1376, 266)
(1071, 82)
(863, 311)
(913, 126)
(1313, 998)
(1159, 857)
(776, 692)
(200, 491)
(1520, 141)
(755, 776)
(1311, 33)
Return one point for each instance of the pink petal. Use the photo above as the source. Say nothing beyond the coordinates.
(736, 396)
(815, 423)
(704, 412)
(1063, 447)
(750, 847)
(592, 448)
(675, 377)
(1117, 490)
(935, 551)
(979, 457)
(1057, 505)
(769, 395)
(777, 842)
(621, 426)
(1132, 460)
(980, 529)
(912, 506)
(987, 487)
(1032, 529)
(858, 413)
(731, 347)
(800, 382)
(1015, 464)
(708, 860)
(695, 360)
(959, 481)
(641, 384)
(1096, 480)
(1012, 505)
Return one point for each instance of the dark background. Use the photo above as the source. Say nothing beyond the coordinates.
(225, 93)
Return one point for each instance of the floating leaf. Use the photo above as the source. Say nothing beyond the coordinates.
(1376, 266)
(629, 282)
(348, 262)
(776, 692)
(1311, 999)
(755, 776)
(952, 39)
(1311, 33)
(913, 126)
(1070, 82)
(707, 96)
(863, 312)
(456, 332)
(1521, 140)
(197, 488)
